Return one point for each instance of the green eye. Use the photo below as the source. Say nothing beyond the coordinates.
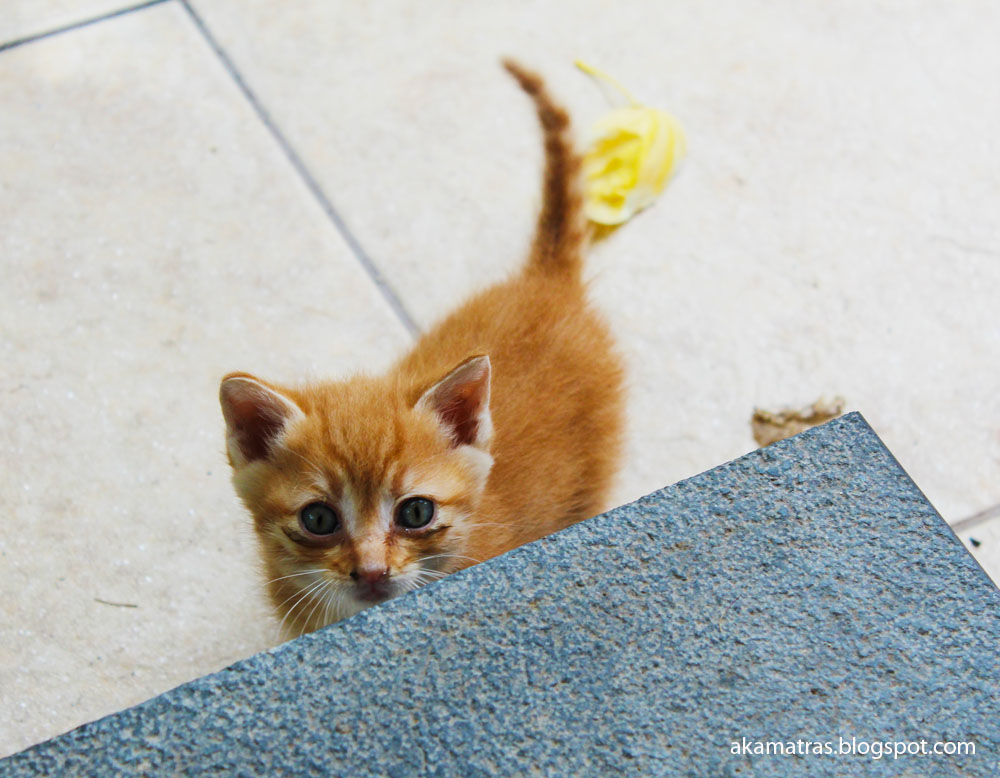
(415, 513)
(319, 518)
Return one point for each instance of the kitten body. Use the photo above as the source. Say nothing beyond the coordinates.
(502, 425)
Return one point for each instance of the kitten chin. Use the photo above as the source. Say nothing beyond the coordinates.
(502, 425)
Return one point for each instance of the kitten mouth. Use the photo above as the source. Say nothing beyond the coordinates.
(376, 592)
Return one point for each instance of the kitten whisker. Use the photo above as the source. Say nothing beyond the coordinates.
(329, 598)
(329, 605)
(424, 577)
(334, 597)
(293, 575)
(421, 577)
(320, 598)
(295, 605)
(449, 556)
(301, 622)
(298, 590)
(433, 574)
(293, 624)
(340, 602)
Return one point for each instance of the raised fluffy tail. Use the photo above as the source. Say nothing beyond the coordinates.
(561, 234)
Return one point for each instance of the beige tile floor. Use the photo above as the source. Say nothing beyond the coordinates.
(833, 231)
(23, 19)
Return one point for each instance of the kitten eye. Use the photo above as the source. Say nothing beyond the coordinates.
(415, 513)
(319, 519)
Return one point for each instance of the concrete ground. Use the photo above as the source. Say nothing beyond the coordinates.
(189, 188)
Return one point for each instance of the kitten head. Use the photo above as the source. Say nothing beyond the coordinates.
(360, 490)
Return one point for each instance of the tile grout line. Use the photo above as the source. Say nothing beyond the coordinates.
(976, 519)
(77, 25)
(369, 266)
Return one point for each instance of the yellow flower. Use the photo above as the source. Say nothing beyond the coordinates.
(632, 155)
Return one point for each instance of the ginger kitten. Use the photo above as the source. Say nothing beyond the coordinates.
(502, 425)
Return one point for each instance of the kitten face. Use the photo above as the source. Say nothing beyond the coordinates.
(358, 493)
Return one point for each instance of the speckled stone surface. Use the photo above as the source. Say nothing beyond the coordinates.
(803, 592)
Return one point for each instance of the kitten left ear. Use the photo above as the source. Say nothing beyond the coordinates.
(255, 415)
(461, 402)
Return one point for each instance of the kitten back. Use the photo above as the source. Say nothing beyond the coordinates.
(561, 232)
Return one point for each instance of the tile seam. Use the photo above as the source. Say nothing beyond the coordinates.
(977, 518)
(12, 44)
(366, 262)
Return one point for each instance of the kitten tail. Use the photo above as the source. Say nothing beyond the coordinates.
(561, 234)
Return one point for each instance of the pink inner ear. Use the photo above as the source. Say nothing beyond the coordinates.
(460, 400)
(254, 415)
(460, 412)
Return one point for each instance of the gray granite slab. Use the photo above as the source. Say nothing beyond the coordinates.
(805, 592)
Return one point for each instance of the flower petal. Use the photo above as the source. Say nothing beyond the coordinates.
(632, 156)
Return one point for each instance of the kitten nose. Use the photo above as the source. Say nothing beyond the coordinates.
(370, 575)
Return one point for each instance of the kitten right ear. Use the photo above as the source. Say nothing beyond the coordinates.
(255, 415)
(461, 402)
